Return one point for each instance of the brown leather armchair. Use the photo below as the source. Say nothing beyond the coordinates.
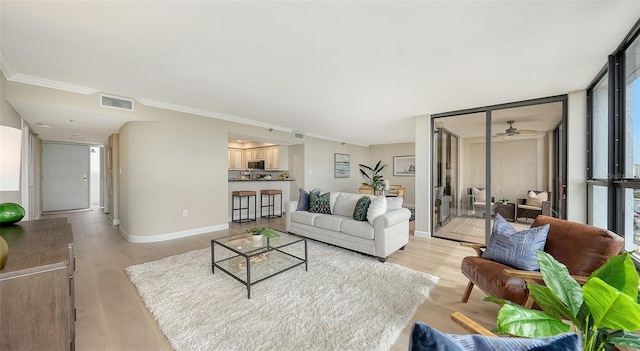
(582, 248)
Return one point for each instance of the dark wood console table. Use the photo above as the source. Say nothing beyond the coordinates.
(36, 286)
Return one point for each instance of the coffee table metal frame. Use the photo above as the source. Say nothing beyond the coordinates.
(262, 259)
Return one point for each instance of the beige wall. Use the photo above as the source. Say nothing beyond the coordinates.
(10, 118)
(168, 167)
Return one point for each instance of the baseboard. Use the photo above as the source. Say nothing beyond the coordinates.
(113, 221)
(171, 236)
(421, 234)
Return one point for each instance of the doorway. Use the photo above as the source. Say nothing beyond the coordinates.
(504, 151)
(65, 176)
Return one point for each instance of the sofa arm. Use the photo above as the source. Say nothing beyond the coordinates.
(394, 217)
(290, 206)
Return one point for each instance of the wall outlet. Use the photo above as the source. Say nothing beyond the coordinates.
(185, 213)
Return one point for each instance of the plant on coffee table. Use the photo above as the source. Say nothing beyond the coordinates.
(264, 231)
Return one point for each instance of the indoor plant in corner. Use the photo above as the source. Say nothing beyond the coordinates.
(605, 311)
(258, 232)
(375, 179)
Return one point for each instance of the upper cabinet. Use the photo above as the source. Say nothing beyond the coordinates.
(276, 157)
(257, 154)
(236, 158)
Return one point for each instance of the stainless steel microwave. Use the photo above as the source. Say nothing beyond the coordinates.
(256, 164)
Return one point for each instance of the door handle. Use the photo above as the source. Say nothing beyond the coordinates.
(84, 178)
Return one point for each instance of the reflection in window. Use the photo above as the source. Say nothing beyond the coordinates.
(632, 110)
(632, 219)
(599, 201)
(601, 128)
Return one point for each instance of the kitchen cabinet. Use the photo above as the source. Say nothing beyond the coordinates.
(235, 158)
(272, 158)
(247, 158)
(258, 154)
(36, 285)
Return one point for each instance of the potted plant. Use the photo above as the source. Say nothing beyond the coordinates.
(504, 201)
(604, 311)
(258, 232)
(375, 179)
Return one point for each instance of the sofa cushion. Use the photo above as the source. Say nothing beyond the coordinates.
(303, 201)
(345, 204)
(362, 206)
(515, 249)
(304, 217)
(479, 194)
(394, 203)
(319, 203)
(329, 222)
(536, 200)
(377, 208)
(360, 229)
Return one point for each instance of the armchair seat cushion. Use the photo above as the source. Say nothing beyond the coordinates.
(489, 276)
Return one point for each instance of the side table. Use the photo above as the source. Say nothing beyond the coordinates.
(507, 211)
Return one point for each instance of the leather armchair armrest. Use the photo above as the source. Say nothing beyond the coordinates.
(532, 277)
(477, 247)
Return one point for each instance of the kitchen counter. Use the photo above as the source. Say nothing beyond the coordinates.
(262, 180)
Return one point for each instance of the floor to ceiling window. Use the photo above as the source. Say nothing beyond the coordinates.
(614, 144)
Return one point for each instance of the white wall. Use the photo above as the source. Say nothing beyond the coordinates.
(319, 165)
(10, 118)
(423, 200)
(385, 153)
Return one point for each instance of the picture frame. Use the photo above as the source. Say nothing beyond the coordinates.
(404, 166)
(341, 165)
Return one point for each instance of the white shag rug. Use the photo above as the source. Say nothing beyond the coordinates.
(345, 301)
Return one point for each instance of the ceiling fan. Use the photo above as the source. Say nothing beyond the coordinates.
(511, 131)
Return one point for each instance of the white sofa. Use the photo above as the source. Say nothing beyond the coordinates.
(389, 232)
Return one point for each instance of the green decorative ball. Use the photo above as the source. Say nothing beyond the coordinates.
(10, 213)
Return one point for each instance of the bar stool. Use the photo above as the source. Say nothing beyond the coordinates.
(271, 202)
(240, 194)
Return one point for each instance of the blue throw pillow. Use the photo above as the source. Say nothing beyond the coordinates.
(303, 201)
(425, 338)
(564, 342)
(513, 248)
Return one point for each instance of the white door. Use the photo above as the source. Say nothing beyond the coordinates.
(65, 176)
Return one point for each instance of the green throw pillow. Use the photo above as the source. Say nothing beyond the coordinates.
(360, 212)
(320, 203)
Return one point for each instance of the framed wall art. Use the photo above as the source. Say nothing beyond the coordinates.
(342, 165)
(404, 165)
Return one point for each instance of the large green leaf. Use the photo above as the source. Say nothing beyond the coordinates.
(556, 276)
(625, 338)
(550, 303)
(609, 307)
(620, 273)
(520, 321)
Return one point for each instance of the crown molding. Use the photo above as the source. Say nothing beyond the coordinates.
(210, 114)
(10, 73)
(53, 84)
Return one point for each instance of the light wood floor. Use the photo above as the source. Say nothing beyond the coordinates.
(111, 316)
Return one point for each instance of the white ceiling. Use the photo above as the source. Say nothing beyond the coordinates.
(351, 71)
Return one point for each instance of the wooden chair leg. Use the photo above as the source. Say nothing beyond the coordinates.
(467, 292)
(528, 302)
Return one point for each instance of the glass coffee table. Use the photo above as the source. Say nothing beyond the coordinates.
(251, 261)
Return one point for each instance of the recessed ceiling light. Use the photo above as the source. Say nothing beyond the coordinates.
(44, 125)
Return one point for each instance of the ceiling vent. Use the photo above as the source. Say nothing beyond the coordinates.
(298, 135)
(116, 102)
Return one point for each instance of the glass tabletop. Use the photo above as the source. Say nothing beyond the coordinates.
(246, 244)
